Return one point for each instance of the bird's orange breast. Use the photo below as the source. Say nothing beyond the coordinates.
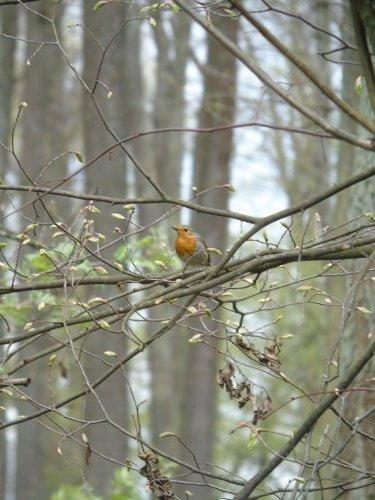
(185, 244)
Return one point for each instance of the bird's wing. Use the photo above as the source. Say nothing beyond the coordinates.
(201, 242)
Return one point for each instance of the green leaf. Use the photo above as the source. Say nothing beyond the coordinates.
(100, 270)
(231, 13)
(117, 216)
(287, 336)
(358, 84)
(214, 250)
(99, 5)
(363, 309)
(167, 434)
(57, 234)
(98, 300)
(160, 263)
(79, 156)
(93, 209)
(208, 313)
(110, 353)
(40, 262)
(121, 254)
(253, 441)
(195, 338)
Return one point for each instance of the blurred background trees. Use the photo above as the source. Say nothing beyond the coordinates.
(77, 77)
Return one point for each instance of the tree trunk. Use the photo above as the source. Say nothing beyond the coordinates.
(168, 150)
(109, 176)
(8, 25)
(212, 156)
(43, 137)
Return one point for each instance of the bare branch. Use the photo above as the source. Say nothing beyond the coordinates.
(15, 2)
(364, 53)
(13, 382)
(269, 82)
(308, 424)
(311, 75)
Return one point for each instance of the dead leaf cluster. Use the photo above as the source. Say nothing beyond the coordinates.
(267, 357)
(158, 483)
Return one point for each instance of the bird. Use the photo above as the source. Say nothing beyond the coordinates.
(191, 247)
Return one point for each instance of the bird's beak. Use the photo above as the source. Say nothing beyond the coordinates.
(174, 227)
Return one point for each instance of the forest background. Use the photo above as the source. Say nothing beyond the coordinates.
(124, 374)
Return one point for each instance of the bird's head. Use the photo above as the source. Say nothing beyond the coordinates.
(183, 230)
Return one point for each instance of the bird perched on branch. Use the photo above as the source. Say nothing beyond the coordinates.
(191, 247)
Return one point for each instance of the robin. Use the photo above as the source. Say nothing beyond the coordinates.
(191, 247)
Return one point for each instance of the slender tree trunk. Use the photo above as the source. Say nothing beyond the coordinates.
(43, 137)
(8, 25)
(112, 95)
(359, 201)
(303, 162)
(168, 151)
(212, 156)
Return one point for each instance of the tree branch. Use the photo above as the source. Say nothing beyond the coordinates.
(204, 281)
(15, 2)
(16, 381)
(269, 82)
(301, 65)
(364, 53)
(133, 201)
(307, 425)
